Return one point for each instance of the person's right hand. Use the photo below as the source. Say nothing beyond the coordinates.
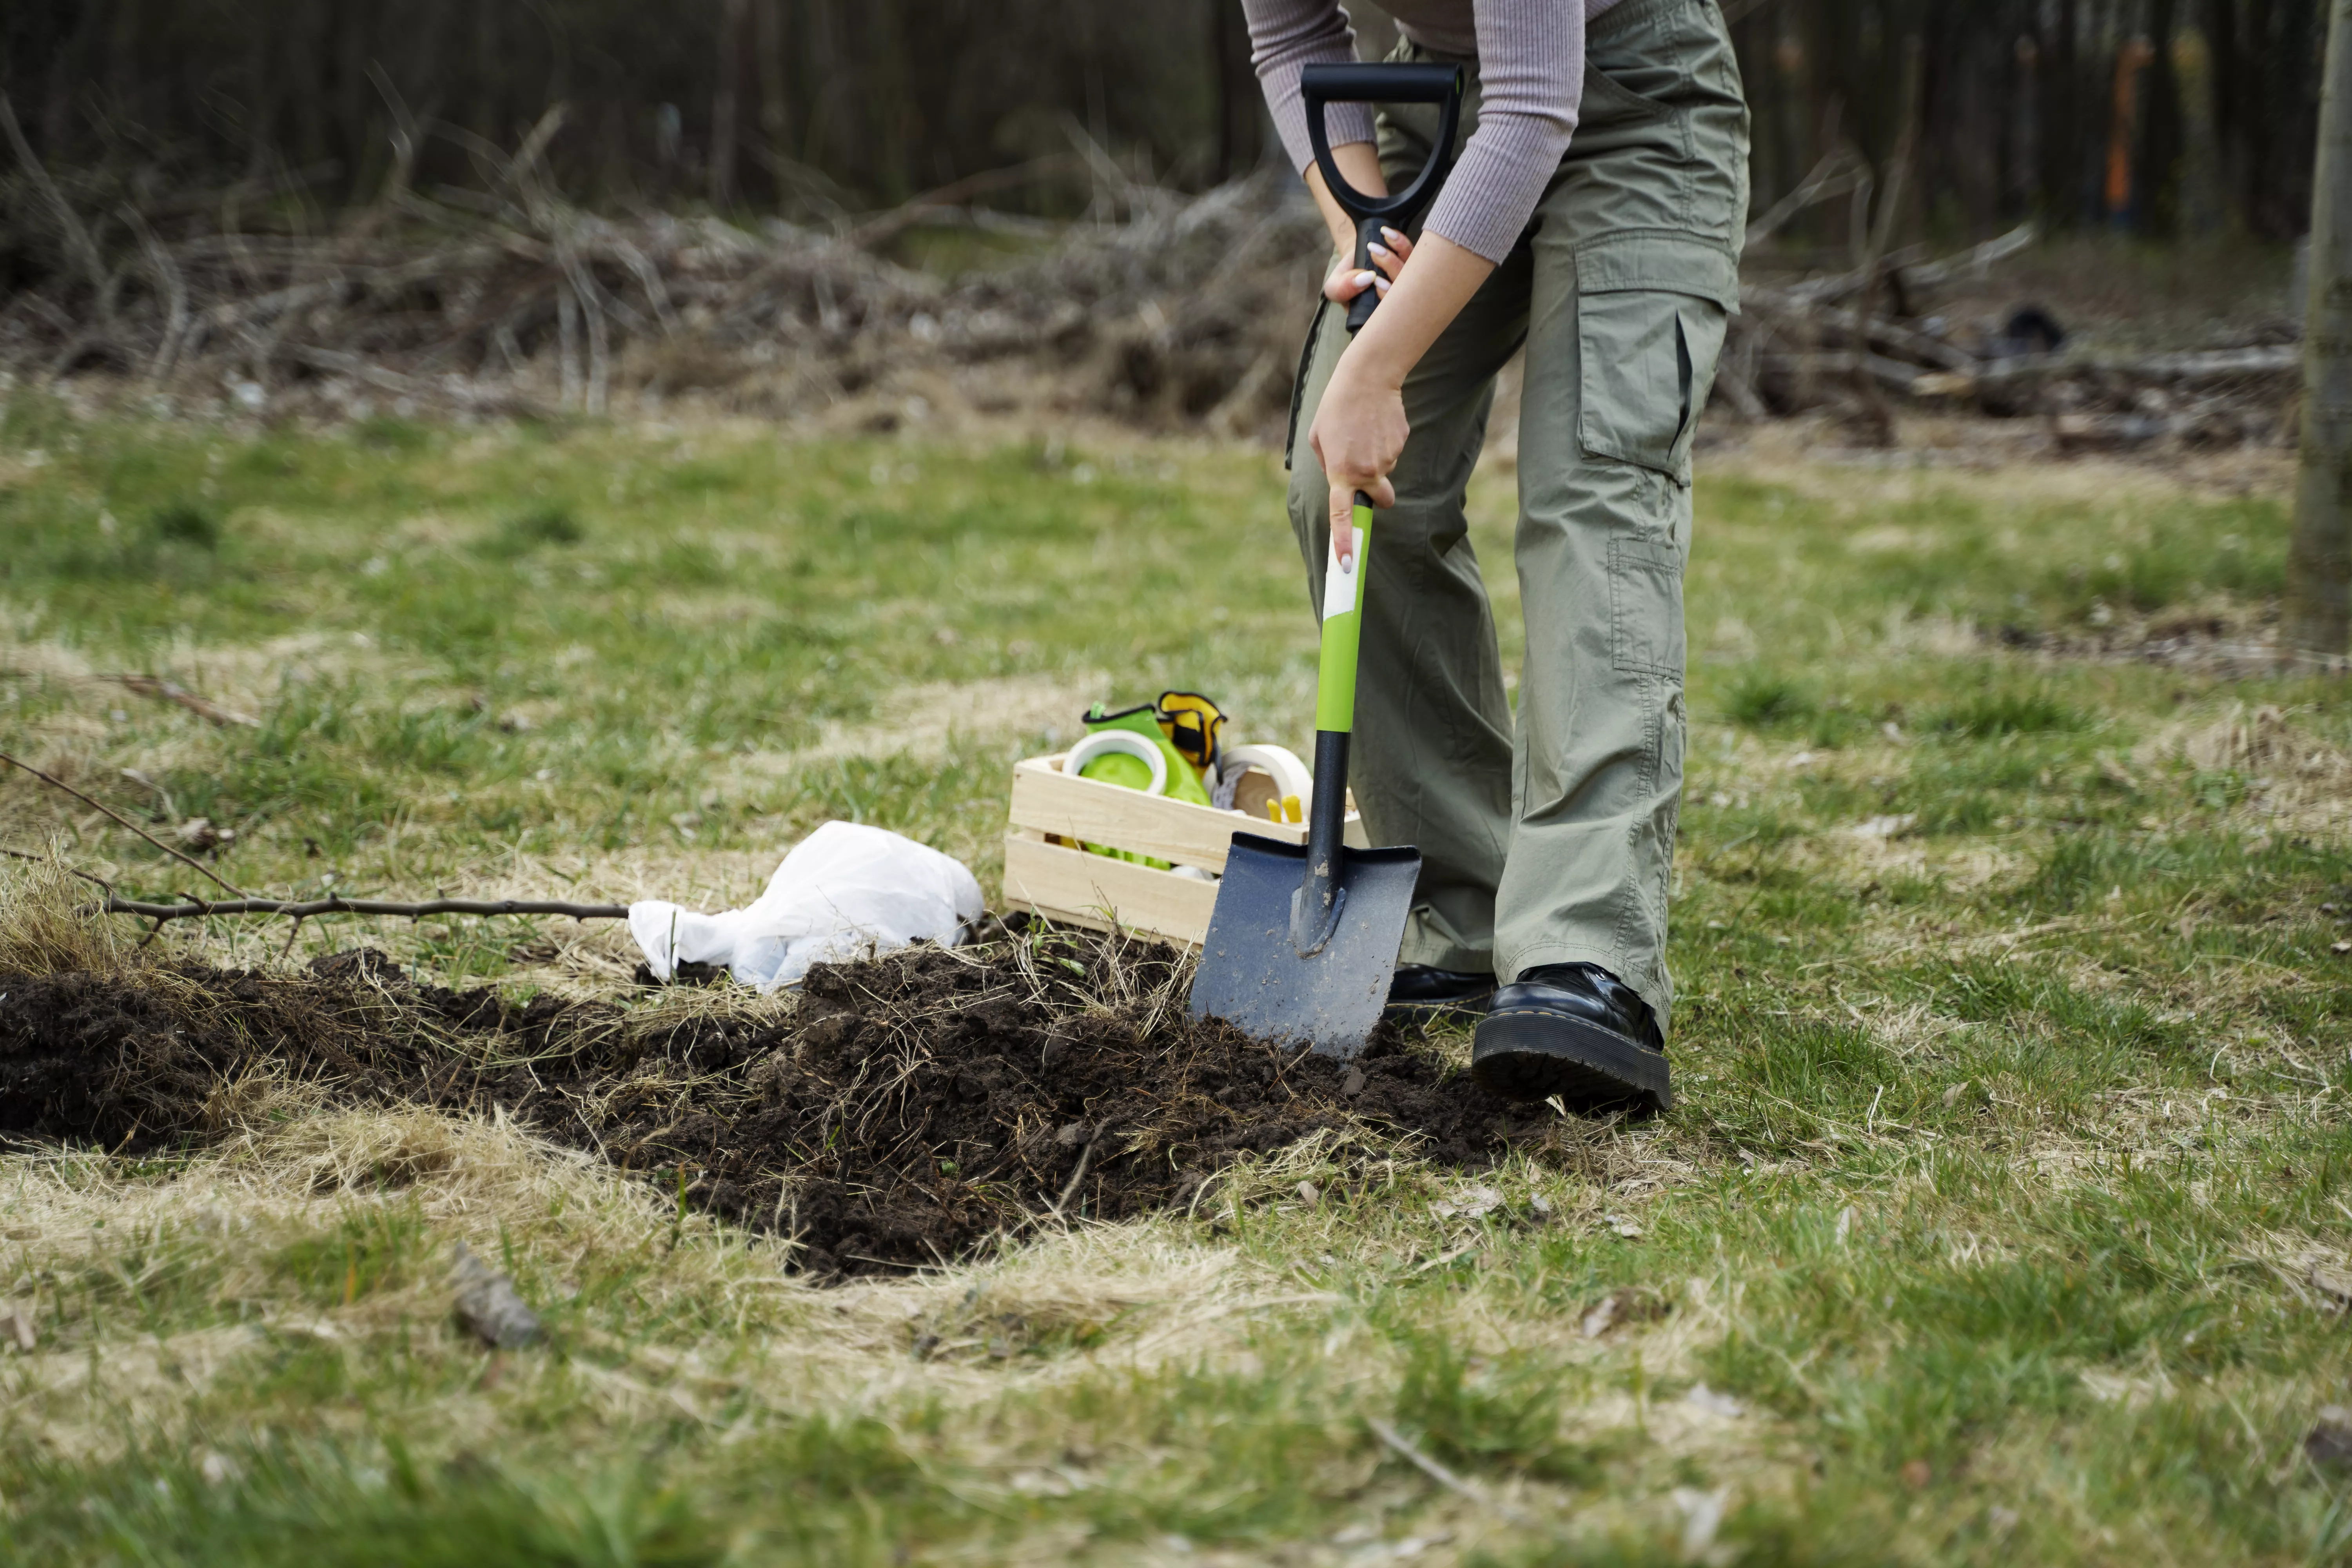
(1348, 280)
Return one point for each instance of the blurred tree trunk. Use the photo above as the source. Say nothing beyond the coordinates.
(724, 109)
(1235, 89)
(2161, 140)
(2062, 120)
(2319, 562)
(775, 105)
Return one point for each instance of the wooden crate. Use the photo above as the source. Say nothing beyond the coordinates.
(1047, 873)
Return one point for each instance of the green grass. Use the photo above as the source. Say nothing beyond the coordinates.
(2012, 1037)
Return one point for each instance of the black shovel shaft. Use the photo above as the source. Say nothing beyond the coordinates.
(1326, 830)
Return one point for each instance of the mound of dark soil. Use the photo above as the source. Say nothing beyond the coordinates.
(909, 1112)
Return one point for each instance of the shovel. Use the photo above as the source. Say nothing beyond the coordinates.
(1303, 941)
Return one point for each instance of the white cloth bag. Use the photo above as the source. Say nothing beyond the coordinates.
(844, 892)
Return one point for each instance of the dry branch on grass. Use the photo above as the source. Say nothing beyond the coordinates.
(116, 817)
(304, 908)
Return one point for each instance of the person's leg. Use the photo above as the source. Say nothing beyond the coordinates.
(1634, 265)
(1431, 758)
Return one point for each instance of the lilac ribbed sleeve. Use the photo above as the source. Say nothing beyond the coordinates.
(1532, 84)
(1286, 37)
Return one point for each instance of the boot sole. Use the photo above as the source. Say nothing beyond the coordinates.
(1530, 1055)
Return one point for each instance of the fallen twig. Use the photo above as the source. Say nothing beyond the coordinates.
(303, 909)
(69, 871)
(1439, 1473)
(173, 691)
(58, 784)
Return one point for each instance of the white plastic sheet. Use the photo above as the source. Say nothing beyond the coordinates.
(844, 892)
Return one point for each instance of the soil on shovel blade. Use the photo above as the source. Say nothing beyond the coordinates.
(909, 1112)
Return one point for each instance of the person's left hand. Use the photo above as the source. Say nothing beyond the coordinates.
(1348, 280)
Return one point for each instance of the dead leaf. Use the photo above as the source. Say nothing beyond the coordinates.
(1470, 1202)
(199, 834)
(2329, 1441)
(16, 1325)
(2337, 1288)
(1702, 1398)
(1623, 1307)
(488, 1304)
(1917, 1474)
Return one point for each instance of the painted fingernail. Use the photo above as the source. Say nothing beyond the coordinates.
(1391, 233)
(1369, 279)
(1381, 250)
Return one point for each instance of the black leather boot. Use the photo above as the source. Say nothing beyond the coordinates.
(1422, 994)
(1576, 1031)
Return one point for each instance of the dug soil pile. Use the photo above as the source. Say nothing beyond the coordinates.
(906, 1111)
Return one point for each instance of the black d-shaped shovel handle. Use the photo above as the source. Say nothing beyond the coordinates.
(1381, 83)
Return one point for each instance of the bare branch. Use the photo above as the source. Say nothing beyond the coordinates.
(1833, 176)
(58, 784)
(306, 909)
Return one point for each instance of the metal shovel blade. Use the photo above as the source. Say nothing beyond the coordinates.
(1250, 973)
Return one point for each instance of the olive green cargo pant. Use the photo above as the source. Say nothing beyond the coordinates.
(1555, 845)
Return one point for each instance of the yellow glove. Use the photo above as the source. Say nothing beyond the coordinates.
(1193, 725)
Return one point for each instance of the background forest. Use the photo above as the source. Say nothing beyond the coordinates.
(2154, 114)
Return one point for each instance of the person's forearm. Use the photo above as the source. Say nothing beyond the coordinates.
(1359, 165)
(1435, 284)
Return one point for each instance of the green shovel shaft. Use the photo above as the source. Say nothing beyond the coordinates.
(1343, 624)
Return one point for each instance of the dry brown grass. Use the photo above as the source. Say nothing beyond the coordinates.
(46, 927)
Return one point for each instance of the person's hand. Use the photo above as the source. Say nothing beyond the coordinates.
(1360, 428)
(1358, 433)
(1348, 280)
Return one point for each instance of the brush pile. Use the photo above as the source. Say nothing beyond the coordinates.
(508, 297)
(1157, 307)
(1821, 345)
(1903, 324)
(900, 1113)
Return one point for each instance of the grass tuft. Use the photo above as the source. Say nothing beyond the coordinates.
(1992, 715)
(526, 532)
(1762, 701)
(184, 523)
(45, 926)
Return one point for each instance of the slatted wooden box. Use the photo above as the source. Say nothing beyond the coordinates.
(1046, 873)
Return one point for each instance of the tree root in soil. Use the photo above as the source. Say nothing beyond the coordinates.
(905, 1112)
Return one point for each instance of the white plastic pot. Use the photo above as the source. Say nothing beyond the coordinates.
(1119, 742)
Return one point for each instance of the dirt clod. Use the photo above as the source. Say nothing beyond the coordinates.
(906, 1112)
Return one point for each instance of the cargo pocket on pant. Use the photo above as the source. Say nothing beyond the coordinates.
(1645, 607)
(1650, 316)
